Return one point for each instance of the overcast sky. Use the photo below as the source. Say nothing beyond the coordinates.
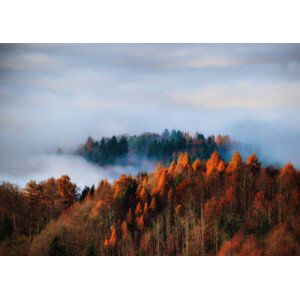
(56, 95)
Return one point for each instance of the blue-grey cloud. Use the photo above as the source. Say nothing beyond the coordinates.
(57, 94)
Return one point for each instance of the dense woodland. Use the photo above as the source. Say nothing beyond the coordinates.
(164, 147)
(190, 207)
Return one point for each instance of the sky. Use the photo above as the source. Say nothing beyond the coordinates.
(56, 95)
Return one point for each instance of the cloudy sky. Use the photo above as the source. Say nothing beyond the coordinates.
(56, 95)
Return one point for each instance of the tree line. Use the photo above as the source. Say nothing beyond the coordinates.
(164, 147)
(190, 207)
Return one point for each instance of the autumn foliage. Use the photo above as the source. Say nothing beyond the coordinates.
(188, 207)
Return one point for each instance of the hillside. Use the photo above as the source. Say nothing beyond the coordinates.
(195, 207)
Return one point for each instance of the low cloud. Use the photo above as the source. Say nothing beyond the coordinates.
(56, 95)
(80, 171)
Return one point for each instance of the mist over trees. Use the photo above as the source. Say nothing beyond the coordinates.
(164, 147)
(191, 206)
(107, 151)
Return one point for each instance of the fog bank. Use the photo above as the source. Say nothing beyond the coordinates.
(57, 95)
(79, 170)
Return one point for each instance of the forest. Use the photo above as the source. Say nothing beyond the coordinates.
(164, 147)
(196, 202)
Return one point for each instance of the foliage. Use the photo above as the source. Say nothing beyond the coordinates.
(195, 207)
(163, 147)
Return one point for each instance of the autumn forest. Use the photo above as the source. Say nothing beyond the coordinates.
(201, 199)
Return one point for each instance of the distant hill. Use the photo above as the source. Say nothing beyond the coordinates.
(164, 147)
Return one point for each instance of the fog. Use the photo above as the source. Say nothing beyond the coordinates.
(82, 172)
(57, 95)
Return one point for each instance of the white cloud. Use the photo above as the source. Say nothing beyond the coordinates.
(81, 172)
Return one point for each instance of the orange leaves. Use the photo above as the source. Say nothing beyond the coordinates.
(106, 243)
(139, 213)
(223, 140)
(235, 163)
(231, 247)
(113, 237)
(251, 247)
(212, 163)
(152, 204)
(121, 184)
(281, 241)
(192, 211)
(253, 163)
(96, 208)
(162, 182)
(288, 169)
(180, 191)
(287, 178)
(124, 229)
(228, 197)
(143, 194)
(104, 189)
(183, 162)
(196, 165)
(66, 189)
(145, 209)
(172, 168)
(182, 187)
(138, 210)
(241, 245)
(221, 166)
(112, 240)
(162, 178)
(261, 204)
(140, 222)
(212, 209)
(215, 164)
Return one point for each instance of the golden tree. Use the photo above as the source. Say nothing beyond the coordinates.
(253, 163)
(196, 165)
(212, 163)
(66, 189)
(162, 182)
(111, 242)
(183, 162)
(143, 194)
(235, 163)
(221, 166)
(172, 167)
